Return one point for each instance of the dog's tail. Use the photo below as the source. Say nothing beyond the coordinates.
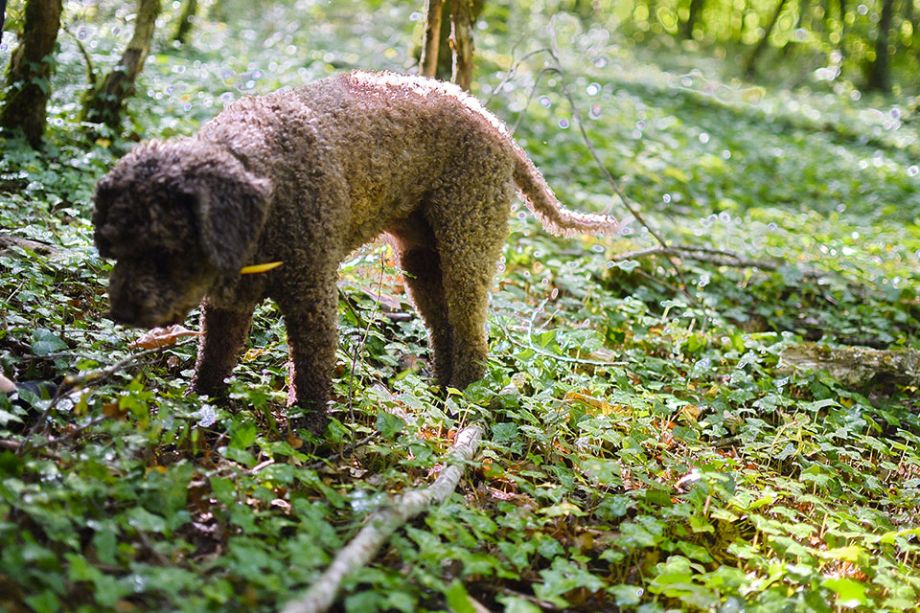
(541, 200)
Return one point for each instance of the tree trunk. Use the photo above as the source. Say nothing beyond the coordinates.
(445, 58)
(799, 23)
(750, 66)
(696, 9)
(2, 14)
(879, 77)
(186, 20)
(462, 19)
(104, 103)
(842, 46)
(858, 367)
(29, 73)
(429, 60)
(741, 20)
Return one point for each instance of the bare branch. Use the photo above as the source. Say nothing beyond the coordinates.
(384, 522)
(90, 71)
(82, 380)
(515, 65)
(627, 203)
(719, 257)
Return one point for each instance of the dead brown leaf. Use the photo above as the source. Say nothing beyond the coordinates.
(163, 337)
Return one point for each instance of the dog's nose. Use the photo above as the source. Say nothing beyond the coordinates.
(124, 312)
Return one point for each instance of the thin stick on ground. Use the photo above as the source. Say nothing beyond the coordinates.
(719, 257)
(367, 331)
(384, 522)
(713, 256)
(72, 383)
(531, 346)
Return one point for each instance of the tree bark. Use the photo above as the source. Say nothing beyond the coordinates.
(742, 13)
(30, 69)
(842, 46)
(462, 19)
(799, 23)
(186, 20)
(879, 71)
(429, 60)
(696, 9)
(104, 103)
(437, 57)
(750, 66)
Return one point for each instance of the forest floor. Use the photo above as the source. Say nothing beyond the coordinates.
(646, 446)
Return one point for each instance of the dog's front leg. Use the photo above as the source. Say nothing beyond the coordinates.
(223, 332)
(311, 318)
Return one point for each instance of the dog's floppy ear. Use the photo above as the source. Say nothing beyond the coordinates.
(231, 209)
(102, 200)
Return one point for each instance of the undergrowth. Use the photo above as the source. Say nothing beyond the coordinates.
(645, 448)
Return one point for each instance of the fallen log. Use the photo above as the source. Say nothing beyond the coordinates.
(854, 366)
(7, 241)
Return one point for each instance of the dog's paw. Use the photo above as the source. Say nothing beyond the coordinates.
(311, 422)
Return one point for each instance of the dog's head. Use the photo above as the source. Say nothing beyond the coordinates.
(177, 217)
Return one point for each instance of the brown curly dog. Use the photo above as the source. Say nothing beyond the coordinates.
(304, 177)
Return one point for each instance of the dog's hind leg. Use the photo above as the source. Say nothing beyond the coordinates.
(470, 223)
(419, 258)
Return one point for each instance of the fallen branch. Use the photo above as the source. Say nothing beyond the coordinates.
(72, 383)
(384, 522)
(95, 377)
(719, 257)
(855, 366)
(7, 241)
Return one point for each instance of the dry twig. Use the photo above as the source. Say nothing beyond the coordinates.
(25, 243)
(384, 522)
(83, 380)
(719, 257)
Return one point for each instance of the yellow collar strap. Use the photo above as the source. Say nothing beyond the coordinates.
(259, 268)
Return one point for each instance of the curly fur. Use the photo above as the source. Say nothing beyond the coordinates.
(305, 176)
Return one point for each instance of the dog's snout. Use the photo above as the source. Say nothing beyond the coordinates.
(124, 312)
(104, 246)
(104, 237)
